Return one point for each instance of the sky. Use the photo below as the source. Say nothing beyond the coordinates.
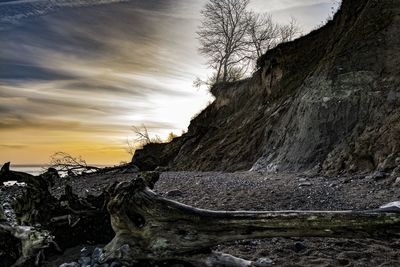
(76, 75)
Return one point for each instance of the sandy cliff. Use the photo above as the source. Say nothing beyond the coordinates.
(329, 101)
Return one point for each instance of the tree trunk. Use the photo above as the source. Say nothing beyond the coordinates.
(225, 76)
(217, 79)
(149, 227)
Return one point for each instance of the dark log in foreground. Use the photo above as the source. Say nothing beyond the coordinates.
(24, 244)
(149, 227)
(68, 221)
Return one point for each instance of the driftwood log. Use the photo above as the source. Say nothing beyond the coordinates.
(24, 245)
(150, 228)
(58, 223)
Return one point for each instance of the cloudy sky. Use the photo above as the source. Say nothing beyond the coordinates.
(75, 75)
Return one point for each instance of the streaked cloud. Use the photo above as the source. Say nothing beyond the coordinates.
(12, 12)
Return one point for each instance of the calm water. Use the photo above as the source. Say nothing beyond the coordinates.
(37, 169)
(34, 169)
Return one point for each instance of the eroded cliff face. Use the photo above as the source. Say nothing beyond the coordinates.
(329, 101)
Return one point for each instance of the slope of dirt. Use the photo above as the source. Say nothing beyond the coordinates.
(329, 100)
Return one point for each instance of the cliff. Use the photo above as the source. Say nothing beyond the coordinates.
(329, 101)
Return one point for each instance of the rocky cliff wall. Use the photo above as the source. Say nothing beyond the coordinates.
(329, 101)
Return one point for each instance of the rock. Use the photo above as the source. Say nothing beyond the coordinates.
(305, 184)
(71, 264)
(261, 262)
(85, 261)
(343, 262)
(254, 242)
(397, 181)
(298, 247)
(387, 164)
(378, 175)
(353, 168)
(392, 206)
(85, 252)
(395, 172)
(96, 254)
(2, 215)
(131, 169)
(314, 171)
(174, 193)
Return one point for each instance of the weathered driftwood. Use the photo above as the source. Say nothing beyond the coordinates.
(71, 220)
(25, 245)
(149, 227)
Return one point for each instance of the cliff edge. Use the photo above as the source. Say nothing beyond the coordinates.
(328, 101)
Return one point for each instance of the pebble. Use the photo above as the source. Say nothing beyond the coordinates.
(305, 184)
(298, 247)
(392, 205)
(174, 193)
(262, 262)
(344, 262)
(85, 252)
(71, 264)
(85, 261)
(91, 259)
(377, 175)
(96, 254)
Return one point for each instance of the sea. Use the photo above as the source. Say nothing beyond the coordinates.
(39, 169)
(31, 169)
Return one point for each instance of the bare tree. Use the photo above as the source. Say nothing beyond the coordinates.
(223, 34)
(232, 38)
(142, 134)
(71, 165)
(142, 138)
(263, 32)
(288, 32)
